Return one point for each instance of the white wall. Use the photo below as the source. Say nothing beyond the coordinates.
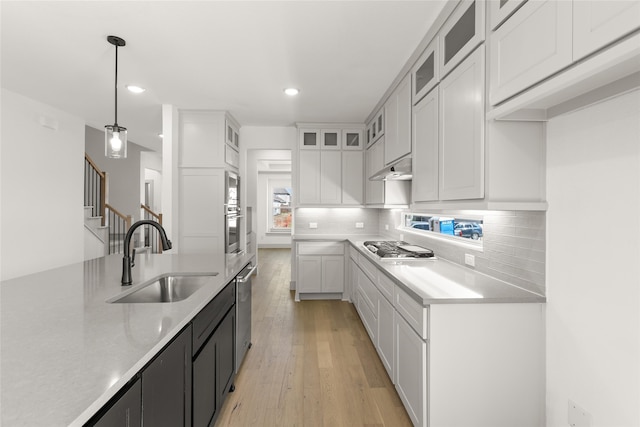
(41, 187)
(151, 170)
(593, 263)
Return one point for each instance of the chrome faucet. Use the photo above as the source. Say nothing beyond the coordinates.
(128, 262)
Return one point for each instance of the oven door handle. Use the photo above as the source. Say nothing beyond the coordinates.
(247, 277)
(232, 216)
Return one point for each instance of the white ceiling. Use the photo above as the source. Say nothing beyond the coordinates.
(223, 55)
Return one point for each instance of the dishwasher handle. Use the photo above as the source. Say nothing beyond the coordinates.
(245, 278)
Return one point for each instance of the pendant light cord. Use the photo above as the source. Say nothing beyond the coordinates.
(116, 88)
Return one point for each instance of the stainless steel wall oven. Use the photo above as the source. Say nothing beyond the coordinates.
(232, 211)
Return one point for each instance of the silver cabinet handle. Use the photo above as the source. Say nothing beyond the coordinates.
(245, 278)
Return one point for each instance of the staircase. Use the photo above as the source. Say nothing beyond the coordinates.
(96, 235)
(106, 227)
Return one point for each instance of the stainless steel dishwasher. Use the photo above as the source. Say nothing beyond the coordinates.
(243, 313)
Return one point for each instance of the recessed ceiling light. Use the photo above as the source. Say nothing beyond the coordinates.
(135, 89)
(292, 91)
(160, 136)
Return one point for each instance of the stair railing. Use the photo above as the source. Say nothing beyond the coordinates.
(95, 188)
(118, 224)
(151, 234)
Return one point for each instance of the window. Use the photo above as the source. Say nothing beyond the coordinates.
(280, 212)
(468, 229)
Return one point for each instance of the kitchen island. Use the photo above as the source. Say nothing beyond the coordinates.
(65, 351)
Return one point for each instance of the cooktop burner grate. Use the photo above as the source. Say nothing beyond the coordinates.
(394, 249)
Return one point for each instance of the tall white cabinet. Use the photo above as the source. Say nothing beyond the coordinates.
(206, 149)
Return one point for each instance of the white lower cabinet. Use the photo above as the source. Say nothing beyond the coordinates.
(386, 342)
(332, 273)
(320, 268)
(411, 371)
(479, 365)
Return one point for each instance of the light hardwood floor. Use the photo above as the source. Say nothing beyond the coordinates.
(311, 363)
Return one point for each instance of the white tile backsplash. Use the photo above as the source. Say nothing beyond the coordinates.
(336, 220)
(513, 245)
(513, 241)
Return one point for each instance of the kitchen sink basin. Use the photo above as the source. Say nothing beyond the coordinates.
(165, 288)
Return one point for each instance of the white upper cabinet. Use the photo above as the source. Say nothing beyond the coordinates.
(233, 137)
(374, 162)
(331, 139)
(330, 177)
(352, 178)
(461, 149)
(425, 149)
(203, 135)
(530, 46)
(598, 23)
(500, 10)
(330, 165)
(461, 33)
(425, 74)
(397, 110)
(352, 139)
(376, 127)
(308, 177)
(309, 139)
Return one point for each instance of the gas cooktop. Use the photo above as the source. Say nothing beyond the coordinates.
(392, 249)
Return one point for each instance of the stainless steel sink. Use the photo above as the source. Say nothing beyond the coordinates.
(165, 288)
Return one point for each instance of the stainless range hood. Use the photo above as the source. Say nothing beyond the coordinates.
(398, 171)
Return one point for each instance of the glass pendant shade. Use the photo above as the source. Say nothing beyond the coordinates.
(115, 142)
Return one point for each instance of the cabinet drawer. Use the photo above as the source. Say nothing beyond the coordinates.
(369, 292)
(369, 268)
(321, 248)
(386, 286)
(353, 254)
(367, 317)
(207, 320)
(413, 312)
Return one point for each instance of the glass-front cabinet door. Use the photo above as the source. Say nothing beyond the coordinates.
(309, 138)
(331, 139)
(460, 34)
(352, 139)
(425, 72)
(232, 136)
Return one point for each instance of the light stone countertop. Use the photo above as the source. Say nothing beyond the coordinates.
(437, 281)
(65, 351)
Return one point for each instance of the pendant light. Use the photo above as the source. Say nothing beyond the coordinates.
(115, 136)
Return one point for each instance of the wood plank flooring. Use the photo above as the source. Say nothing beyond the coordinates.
(311, 363)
